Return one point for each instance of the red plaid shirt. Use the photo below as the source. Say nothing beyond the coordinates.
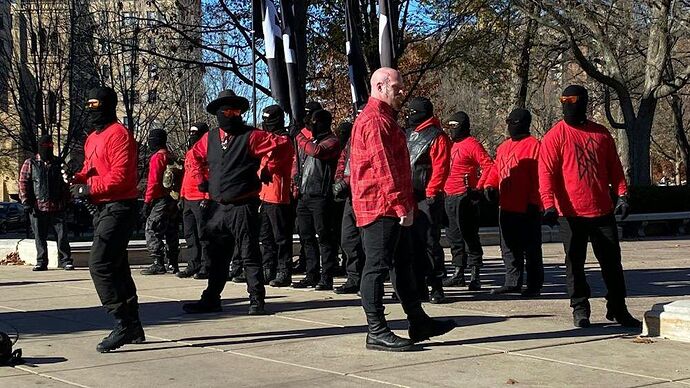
(27, 195)
(381, 178)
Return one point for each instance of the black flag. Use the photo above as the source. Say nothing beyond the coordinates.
(357, 68)
(291, 56)
(273, 45)
(387, 21)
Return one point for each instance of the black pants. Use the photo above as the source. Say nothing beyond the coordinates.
(276, 236)
(316, 230)
(233, 228)
(520, 244)
(41, 223)
(426, 233)
(351, 242)
(197, 249)
(161, 230)
(108, 262)
(463, 231)
(387, 248)
(603, 234)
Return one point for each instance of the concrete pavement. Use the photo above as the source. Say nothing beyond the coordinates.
(317, 338)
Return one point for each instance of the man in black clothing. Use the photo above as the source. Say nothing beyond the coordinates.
(45, 195)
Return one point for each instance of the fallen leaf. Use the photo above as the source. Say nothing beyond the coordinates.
(642, 340)
(511, 381)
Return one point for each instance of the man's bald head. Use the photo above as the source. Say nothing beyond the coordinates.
(387, 86)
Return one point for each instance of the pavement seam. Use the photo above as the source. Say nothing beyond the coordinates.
(52, 377)
(328, 371)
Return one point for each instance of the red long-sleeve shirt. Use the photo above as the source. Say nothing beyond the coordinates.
(516, 174)
(190, 189)
(381, 178)
(110, 165)
(154, 182)
(439, 153)
(343, 160)
(261, 144)
(278, 190)
(468, 157)
(576, 167)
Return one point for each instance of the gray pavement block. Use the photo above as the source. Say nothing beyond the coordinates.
(29, 380)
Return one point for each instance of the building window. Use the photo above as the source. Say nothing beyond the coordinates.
(131, 71)
(153, 71)
(153, 95)
(152, 18)
(129, 19)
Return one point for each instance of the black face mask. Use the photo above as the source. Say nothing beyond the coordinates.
(321, 124)
(231, 124)
(575, 114)
(519, 122)
(194, 137)
(105, 114)
(461, 127)
(46, 153)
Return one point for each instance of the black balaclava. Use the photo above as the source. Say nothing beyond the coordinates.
(45, 148)
(309, 110)
(344, 132)
(575, 113)
(196, 132)
(158, 139)
(273, 119)
(321, 124)
(459, 126)
(105, 113)
(230, 124)
(421, 109)
(518, 122)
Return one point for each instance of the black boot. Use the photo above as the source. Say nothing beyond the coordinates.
(187, 273)
(157, 268)
(325, 284)
(380, 337)
(425, 328)
(235, 271)
(506, 290)
(201, 275)
(269, 274)
(437, 295)
(256, 306)
(350, 286)
(307, 282)
(623, 317)
(475, 284)
(241, 278)
(202, 306)
(457, 279)
(581, 318)
(125, 332)
(283, 279)
(173, 265)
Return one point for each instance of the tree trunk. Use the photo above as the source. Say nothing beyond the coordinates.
(639, 142)
(681, 137)
(523, 65)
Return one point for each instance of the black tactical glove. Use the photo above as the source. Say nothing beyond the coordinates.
(341, 190)
(622, 207)
(491, 195)
(203, 187)
(550, 217)
(265, 176)
(80, 191)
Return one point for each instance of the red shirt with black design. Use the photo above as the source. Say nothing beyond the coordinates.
(578, 168)
(468, 158)
(516, 172)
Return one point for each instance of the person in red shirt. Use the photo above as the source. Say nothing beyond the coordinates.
(384, 207)
(108, 180)
(470, 168)
(232, 154)
(317, 155)
(520, 207)
(429, 149)
(276, 210)
(198, 262)
(160, 210)
(578, 168)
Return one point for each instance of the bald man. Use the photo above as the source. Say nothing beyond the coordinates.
(384, 206)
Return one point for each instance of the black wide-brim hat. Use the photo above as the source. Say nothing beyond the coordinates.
(228, 97)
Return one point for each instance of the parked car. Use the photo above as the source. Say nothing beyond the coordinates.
(12, 217)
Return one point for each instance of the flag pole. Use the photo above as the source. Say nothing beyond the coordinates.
(253, 35)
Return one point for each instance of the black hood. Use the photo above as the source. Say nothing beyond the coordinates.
(157, 139)
(420, 110)
(459, 126)
(321, 124)
(106, 111)
(575, 113)
(196, 132)
(309, 110)
(519, 122)
(273, 119)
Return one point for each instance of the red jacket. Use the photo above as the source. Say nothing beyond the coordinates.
(343, 161)
(381, 178)
(278, 191)
(190, 189)
(154, 182)
(261, 144)
(439, 153)
(517, 175)
(576, 167)
(110, 165)
(467, 158)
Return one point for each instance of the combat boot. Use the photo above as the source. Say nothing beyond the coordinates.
(475, 283)
(157, 268)
(124, 333)
(457, 279)
(283, 279)
(380, 337)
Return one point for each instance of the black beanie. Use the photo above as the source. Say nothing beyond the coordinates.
(157, 139)
(575, 114)
(273, 118)
(519, 121)
(196, 132)
(459, 124)
(421, 109)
